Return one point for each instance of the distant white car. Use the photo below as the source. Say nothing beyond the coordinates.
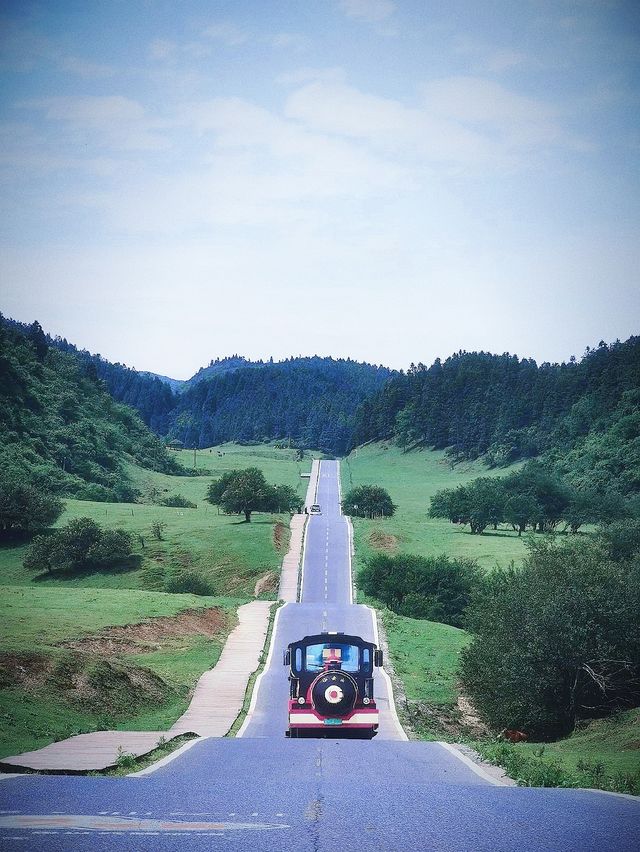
(315, 510)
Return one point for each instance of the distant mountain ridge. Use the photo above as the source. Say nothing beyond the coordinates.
(310, 401)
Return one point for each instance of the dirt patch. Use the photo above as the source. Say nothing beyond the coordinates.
(280, 536)
(267, 583)
(460, 720)
(149, 635)
(469, 717)
(24, 669)
(383, 541)
(84, 681)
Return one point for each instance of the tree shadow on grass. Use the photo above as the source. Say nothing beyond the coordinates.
(252, 521)
(132, 563)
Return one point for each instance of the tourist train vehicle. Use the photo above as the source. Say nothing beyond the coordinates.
(331, 686)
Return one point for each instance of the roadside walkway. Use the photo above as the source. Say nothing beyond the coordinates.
(218, 696)
(288, 591)
(216, 703)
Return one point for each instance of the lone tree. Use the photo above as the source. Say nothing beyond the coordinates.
(247, 491)
(368, 501)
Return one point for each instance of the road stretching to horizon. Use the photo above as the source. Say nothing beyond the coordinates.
(264, 792)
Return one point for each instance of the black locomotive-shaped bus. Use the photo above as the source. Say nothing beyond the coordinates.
(331, 686)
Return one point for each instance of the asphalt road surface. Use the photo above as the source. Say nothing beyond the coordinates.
(264, 792)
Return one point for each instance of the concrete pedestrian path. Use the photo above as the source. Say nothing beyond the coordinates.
(291, 563)
(216, 703)
(218, 696)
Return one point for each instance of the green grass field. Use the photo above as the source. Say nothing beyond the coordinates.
(146, 689)
(425, 657)
(35, 621)
(411, 479)
(230, 554)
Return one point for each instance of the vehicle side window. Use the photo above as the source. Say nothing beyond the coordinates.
(298, 660)
(366, 660)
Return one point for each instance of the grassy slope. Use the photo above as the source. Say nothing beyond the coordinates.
(37, 614)
(425, 657)
(229, 553)
(36, 620)
(411, 479)
(424, 654)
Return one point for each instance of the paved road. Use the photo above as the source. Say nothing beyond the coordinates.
(264, 792)
(325, 605)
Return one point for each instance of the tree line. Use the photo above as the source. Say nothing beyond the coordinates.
(534, 497)
(583, 415)
(310, 401)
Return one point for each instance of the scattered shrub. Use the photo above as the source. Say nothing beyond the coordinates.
(178, 501)
(189, 582)
(556, 640)
(437, 588)
(80, 544)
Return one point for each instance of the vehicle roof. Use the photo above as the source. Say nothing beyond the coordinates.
(341, 638)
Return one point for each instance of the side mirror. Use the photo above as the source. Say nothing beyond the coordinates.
(286, 657)
(377, 657)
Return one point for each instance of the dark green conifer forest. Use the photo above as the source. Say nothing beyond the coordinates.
(582, 417)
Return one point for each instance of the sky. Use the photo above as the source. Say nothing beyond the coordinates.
(386, 180)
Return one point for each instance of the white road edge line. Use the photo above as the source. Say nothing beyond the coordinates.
(305, 536)
(628, 796)
(256, 686)
(164, 760)
(473, 766)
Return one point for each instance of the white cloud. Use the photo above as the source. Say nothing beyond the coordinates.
(161, 49)
(290, 41)
(461, 120)
(112, 119)
(387, 124)
(372, 11)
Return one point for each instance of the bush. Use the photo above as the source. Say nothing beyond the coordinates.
(556, 640)
(80, 544)
(189, 582)
(368, 501)
(436, 588)
(178, 501)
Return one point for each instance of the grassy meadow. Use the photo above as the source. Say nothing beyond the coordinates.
(52, 626)
(424, 654)
(230, 554)
(412, 479)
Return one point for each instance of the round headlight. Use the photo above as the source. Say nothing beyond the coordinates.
(365, 700)
(301, 700)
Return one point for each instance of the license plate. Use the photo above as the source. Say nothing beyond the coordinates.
(333, 721)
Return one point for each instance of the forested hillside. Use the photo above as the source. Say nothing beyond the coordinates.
(584, 416)
(60, 430)
(308, 400)
(220, 366)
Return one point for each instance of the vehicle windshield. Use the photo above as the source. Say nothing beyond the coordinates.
(332, 655)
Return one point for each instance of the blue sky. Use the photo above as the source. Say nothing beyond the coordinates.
(381, 179)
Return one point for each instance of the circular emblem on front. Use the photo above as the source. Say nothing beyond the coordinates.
(333, 694)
